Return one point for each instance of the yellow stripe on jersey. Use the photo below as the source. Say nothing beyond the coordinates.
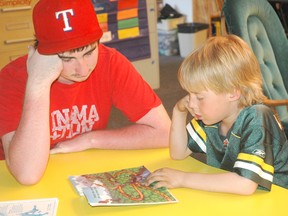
(198, 129)
(235, 135)
(256, 165)
(255, 159)
(255, 169)
(194, 133)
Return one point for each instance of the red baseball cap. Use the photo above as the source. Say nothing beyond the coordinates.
(62, 25)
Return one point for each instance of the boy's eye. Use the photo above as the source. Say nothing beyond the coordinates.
(89, 53)
(66, 59)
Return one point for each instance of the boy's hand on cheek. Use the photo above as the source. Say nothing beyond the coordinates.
(43, 68)
(183, 106)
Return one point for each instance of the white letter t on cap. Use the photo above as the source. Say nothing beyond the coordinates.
(65, 18)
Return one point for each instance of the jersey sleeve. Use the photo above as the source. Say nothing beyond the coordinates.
(196, 136)
(261, 138)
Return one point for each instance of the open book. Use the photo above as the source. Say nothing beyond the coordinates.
(33, 207)
(120, 187)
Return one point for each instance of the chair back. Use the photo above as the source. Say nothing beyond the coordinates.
(257, 23)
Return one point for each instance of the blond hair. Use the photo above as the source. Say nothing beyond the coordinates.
(223, 64)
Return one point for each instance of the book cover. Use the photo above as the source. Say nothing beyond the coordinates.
(120, 187)
(33, 207)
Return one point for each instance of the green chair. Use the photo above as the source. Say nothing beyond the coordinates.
(257, 23)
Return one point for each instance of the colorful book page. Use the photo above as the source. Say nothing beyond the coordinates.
(33, 207)
(120, 187)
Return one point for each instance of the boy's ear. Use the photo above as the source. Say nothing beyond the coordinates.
(235, 95)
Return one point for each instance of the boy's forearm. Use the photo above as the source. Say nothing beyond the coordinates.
(228, 182)
(131, 137)
(151, 131)
(178, 135)
(28, 152)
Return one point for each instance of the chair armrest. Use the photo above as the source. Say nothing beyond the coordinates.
(275, 103)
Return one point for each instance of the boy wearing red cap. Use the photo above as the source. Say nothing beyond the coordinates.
(59, 96)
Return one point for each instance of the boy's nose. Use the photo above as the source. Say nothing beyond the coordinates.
(82, 67)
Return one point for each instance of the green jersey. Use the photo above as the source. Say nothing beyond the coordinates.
(255, 147)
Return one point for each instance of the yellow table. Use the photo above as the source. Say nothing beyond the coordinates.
(55, 183)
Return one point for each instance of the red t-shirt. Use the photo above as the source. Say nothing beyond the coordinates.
(84, 106)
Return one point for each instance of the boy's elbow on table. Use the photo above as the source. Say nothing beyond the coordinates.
(28, 180)
(177, 156)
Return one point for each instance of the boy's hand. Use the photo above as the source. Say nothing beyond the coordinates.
(43, 68)
(71, 145)
(183, 106)
(166, 177)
